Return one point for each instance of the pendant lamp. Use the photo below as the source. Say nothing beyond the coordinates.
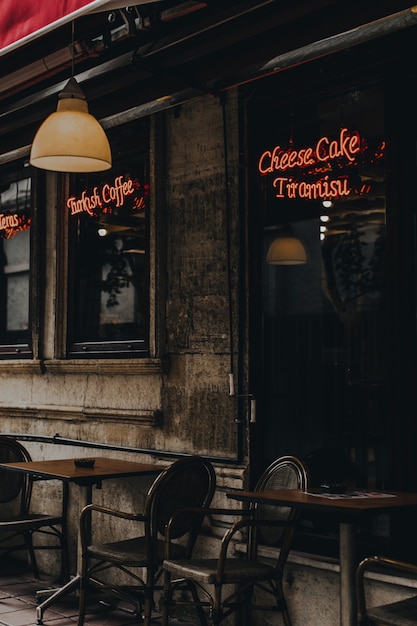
(71, 139)
(286, 249)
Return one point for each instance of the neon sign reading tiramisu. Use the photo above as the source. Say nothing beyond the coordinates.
(318, 171)
(324, 188)
(107, 195)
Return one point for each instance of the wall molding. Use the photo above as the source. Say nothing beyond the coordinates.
(132, 367)
(141, 417)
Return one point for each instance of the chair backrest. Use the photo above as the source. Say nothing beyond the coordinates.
(14, 486)
(287, 472)
(187, 483)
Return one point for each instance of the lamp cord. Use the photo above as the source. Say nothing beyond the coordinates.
(72, 47)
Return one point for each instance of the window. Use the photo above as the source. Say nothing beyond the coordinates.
(325, 359)
(15, 251)
(108, 256)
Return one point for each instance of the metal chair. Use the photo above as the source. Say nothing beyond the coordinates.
(400, 613)
(188, 482)
(208, 580)
(18, 525)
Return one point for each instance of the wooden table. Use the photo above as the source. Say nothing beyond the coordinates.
(86, 478)
(348, 508)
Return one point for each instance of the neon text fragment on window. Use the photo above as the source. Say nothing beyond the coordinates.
(13, 223)
(320, 171)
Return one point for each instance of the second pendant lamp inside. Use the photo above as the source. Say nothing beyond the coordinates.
(286, 249)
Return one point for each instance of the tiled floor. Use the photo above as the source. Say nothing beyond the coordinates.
(18, 605)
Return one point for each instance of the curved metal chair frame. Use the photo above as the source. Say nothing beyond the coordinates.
(18, 525)
(401, 613)
(189, 482)
(206, 579)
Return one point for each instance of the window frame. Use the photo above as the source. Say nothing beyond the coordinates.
(74, 348)
(14, 170)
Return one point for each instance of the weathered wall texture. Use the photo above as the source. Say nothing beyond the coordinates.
(185, 408)
(197, 407)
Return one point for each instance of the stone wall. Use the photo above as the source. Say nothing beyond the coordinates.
(179, 403)
(198, 411)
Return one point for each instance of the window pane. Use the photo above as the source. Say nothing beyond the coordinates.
(109, 252)
(15, 223)
(324, 322)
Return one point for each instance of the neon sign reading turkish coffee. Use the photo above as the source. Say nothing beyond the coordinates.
(108, 195)
(319, 171)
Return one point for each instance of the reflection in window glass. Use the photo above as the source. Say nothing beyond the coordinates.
(324, 322)
(109, 254)
(16, 251)
(15, 223)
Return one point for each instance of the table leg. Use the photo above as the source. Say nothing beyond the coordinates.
(347, 559)
(85, 497)
(72, 585)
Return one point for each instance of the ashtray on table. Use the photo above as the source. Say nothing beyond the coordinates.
(84, 462)
(333, 488)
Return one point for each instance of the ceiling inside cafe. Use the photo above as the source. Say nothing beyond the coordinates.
(154, 50)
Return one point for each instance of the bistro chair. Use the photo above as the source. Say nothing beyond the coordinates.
(218, 587)
(18, 525)
(188, 482)
(400, 613)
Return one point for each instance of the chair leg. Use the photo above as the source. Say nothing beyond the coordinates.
(217, 610)
(29, 542)
(166, 598)
(286, 616)
(244, 614)
(282, 603)
(81, 604)
(82, 600)
(149, 593)
(199, 609)
(65, 573)
(63, 535)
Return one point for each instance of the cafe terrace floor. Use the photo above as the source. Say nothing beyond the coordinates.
(18, 604)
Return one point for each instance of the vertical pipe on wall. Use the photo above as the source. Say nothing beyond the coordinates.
(228, 246)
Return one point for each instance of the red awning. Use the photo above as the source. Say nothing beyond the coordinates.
(24, 20)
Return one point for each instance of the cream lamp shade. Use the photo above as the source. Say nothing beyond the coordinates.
(71, 139)
(286, 249)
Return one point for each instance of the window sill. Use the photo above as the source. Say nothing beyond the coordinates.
(20, 366)
(86, 366)
(140, 417)
(106, 366)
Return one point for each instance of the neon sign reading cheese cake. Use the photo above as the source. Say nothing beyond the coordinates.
(315, 172)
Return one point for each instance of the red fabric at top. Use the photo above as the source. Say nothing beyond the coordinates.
(22, 20)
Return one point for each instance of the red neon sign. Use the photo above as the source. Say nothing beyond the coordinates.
(306, 173)
(12, 223)
(101, 197)
(347, 145)
(324, 188)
